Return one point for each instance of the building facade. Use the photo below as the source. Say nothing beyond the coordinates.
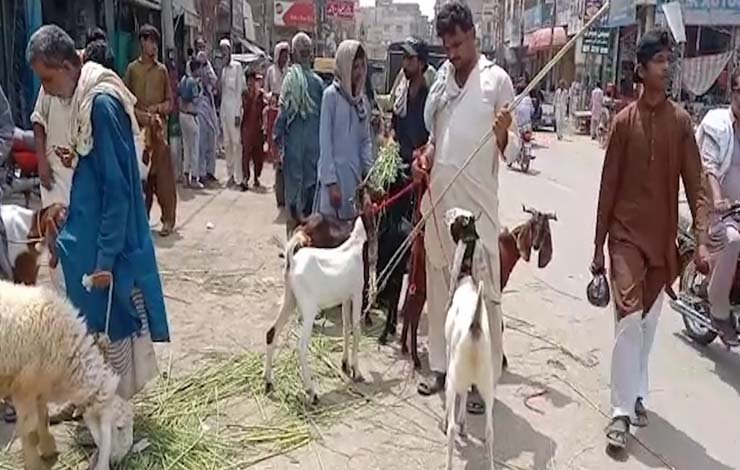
(389, 22)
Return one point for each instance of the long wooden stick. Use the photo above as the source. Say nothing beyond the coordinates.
(396, 258)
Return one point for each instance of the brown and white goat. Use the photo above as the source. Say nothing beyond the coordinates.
(513, 245)
(326, 231)
(28, 232)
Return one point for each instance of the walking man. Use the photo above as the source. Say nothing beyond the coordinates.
(253, 135)
(469, 98)
(233, 87)
(561, 108)
(718, 138)
(297, 131)
(106, 234)
(597, 105)
(650, 148)
(148, 80)
(276, 72)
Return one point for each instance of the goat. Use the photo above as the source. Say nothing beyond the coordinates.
(28, 231)
(326, 231)
(513, 245)
(320, 278)
(470, 346)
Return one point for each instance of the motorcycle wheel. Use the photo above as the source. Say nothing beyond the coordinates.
(690, 278)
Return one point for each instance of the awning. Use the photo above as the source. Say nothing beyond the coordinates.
(700, 73)
(151, 4)
(188, 10)
(540, 39)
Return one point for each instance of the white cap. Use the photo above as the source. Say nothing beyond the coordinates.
(225, 42)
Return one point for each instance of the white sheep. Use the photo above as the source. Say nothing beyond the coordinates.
(316, 279)
(471, 359)
(47, 356)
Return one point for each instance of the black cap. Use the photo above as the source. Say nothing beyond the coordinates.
(415, 47)
(651, 43)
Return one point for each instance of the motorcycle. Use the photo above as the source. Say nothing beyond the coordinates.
(692, 301)
(20, 173)
(525, 152)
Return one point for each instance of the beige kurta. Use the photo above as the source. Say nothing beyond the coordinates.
(54, 115)
(459, 127)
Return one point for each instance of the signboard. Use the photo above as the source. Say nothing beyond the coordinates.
(294, 13)
(709, 12)
(532, 18)
(621, 13)
(597, 41)
(340, 9)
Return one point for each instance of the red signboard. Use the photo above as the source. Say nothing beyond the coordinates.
(342, 9)
(295, 13)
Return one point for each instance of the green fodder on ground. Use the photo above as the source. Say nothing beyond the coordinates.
(188, 424)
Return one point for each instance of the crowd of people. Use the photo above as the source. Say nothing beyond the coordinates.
(94, 132)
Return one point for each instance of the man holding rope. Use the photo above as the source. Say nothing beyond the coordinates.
(470, 95)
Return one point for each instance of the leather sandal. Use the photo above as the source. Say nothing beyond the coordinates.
(617, 431)
(432, 386)
(641, 417)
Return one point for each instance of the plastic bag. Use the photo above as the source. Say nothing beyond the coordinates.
(597, 291)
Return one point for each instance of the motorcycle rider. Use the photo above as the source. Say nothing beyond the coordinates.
(717, 135)
(525, 110)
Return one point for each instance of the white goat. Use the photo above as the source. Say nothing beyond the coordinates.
(316, 279)
(470, 355)
(47, 356)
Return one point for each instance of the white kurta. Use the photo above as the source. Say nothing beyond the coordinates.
(54, 115)
(459, 127)
(233, 85)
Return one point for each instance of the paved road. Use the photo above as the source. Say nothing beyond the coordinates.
(552, 401)
(559, 349)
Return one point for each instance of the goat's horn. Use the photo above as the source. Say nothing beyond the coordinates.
(527, 209)
(552, 216)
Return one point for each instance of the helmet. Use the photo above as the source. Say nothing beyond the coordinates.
(598, 291)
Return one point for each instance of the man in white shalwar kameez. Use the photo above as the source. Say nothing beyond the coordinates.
(470, 97)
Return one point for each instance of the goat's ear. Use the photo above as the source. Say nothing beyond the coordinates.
(545, 255)
(524, 241)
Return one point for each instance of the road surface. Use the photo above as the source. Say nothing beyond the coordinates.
(223, 287)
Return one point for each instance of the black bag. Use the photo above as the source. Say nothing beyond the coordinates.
(597, 291)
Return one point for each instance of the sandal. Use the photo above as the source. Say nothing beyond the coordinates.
(9, 415)
(641, 417)
(616, 432)
(432, 387)
(475, 405)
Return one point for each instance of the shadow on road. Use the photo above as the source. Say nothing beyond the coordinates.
(680, 450)
(513, 436)
(726, 363)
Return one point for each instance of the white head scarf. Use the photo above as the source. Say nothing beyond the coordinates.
(343, 62)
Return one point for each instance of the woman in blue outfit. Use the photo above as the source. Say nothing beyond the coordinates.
(345, 138)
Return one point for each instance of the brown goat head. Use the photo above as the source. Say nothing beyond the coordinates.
(535, 234)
